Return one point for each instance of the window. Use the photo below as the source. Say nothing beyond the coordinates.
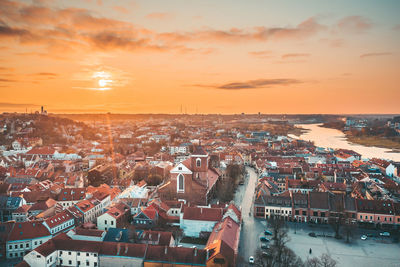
(105, 221)
(112, 222)
(27, 245)
(198, 162)
(95, 264)
(315, 213)
(304, 213)
(16, 246)
(21, 246)
(87, 263)
(60, 252)
(69, 252)
(181, 181)
(79, 263)
(322, 214)
(69, 262)
(87, 254)
(61, 262)
(10, 247)
(296, 212)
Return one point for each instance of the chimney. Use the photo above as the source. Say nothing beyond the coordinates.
(201, 210)
(166, 250)
(208, 254)
(195, 252)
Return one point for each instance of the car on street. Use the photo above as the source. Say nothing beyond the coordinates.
(251, 259)
(312, 234)
(387, 234)
(264, 239)
(363, 237)
(266, 232)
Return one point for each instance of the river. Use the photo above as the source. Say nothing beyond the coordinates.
(332, 138)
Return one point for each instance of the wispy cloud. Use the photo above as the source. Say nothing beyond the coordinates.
(303, 30)
(7, 80)
(295, 55)
(121, 9)
(48, 74)
(17, 105)
(159, 16)
(252, 84)
(377, 54)
(261, 54)
(354, 24)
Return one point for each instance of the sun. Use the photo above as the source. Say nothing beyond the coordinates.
(103, 79)
(103, 82)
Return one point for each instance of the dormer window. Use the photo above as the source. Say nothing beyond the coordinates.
(198, 162)
(180, 168)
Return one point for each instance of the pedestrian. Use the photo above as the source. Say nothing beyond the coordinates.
(310, 250)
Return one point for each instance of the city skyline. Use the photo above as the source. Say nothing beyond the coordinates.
(224, 57)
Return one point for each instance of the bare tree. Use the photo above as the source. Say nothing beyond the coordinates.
(279, 236)
(324, 261)
(327, 261)
(178, 235)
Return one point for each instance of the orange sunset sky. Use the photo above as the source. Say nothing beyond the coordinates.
(208, 56)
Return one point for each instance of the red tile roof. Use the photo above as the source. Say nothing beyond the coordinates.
(202, 214)
(59, 219)
(28, 230)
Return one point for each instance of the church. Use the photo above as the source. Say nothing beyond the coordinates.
(192, 180)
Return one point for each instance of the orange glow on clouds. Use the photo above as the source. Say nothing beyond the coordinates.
(153, 57)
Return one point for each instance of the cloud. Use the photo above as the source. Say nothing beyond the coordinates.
(295, 55)
(354, 24)
(7, 80)
(17, 105)
(120, 9)
(379, 54)
(252, 84)
(6, 69)
(303, 30)
(49, 74)
(261, 54)
(159, 16)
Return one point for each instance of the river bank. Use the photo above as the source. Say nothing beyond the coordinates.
(372, 141)
(367, 140)
(333, 138)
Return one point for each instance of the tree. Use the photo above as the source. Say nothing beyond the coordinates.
(177, 234)
(279, 236)
(348, 228)
(323, 261)
(225, 190)
(327, 261)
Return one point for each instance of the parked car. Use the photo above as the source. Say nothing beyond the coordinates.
(312, 234)
(266, 232)
(264, 246)
(387, 234)
(251, 259)
(363, 237)
(264, 239)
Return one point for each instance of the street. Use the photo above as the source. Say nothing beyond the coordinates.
(252, 228)
(370, 252)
